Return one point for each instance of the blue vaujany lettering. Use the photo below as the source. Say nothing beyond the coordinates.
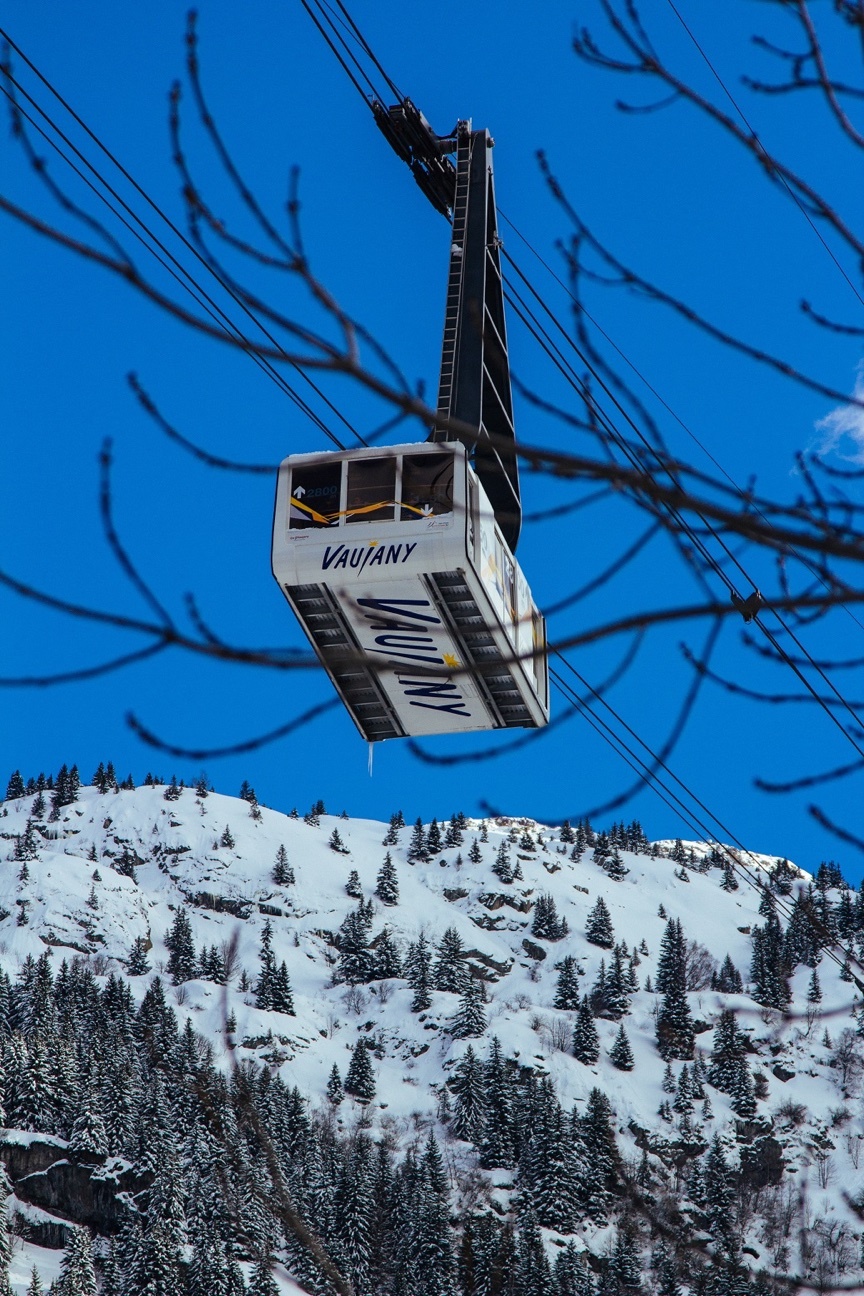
(361, 556)
(443, 689)
(401, 637)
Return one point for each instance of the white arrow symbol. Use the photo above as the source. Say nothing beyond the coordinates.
(299, 492)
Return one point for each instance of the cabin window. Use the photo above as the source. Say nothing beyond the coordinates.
(314, 495)
(509, 578)
(472, 517)
(427, 485)
(538, 637)
(371, 490)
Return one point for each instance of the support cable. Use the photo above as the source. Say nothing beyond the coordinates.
(178, 233)
(573, 378)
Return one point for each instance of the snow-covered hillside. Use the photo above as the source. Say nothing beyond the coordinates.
(106, 879)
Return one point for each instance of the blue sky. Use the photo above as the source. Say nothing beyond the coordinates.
(669, 195)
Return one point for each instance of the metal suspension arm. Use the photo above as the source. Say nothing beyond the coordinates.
(474, 385)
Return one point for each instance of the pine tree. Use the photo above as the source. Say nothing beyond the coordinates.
(468, 1084)
(572, 1274)
(533, 1273)
(598, 926)
(433, 839)
(719, 1195)
(417, 846)
(475, 854)
(77, 1275)
(616, 991)
(497, 1147)
(728, 979)
(15, 787)
(814, 990)
(336, 844)
(360, 1080)
(88, 1138)
(182, 962)
(503, 868)
(265, 986)
(614, 866)
(137, 963)
(621, 1054)
(201, 788)
(453, 836)
(470, 1018)
(263, 1282)
(730, 882)
(335, 1092)
(283, 873)
(25, 845)
(742, 1094)
(352, 886)
(727, 1055)
(388, 960)
(586, 1042)
(450, 971)
(283, 999)
(601, 1151)
(356, 960)
(418, 970)
(172, 791)
(683, 1104)
(567, 985)
(624, 1261)
(675, 1034)
(227, 839)
(547, 925)
(387, 882)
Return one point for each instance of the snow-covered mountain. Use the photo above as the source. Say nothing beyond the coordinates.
(500, 910)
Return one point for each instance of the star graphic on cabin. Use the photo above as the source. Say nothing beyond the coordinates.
(450, 660)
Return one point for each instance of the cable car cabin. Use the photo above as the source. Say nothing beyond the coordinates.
(397, 571)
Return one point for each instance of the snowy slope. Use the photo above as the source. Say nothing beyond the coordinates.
(75, 902)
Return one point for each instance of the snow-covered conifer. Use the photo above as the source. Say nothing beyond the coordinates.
(418, 970)
(547, 925)
(586, 1042)
(433, 838)
(137, 963)
(503, 868)
(567, 985)
(360, 1080)
(470, 1018)
(450, 972)
(417, 846)
(283, 873)
(621, 1054)
(387, 882)
(469, 1113)
(335, 1092)
(352, 886)
(15, 787)
(182, 961)
(598, 926)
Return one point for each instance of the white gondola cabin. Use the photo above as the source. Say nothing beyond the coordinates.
(399, 574)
